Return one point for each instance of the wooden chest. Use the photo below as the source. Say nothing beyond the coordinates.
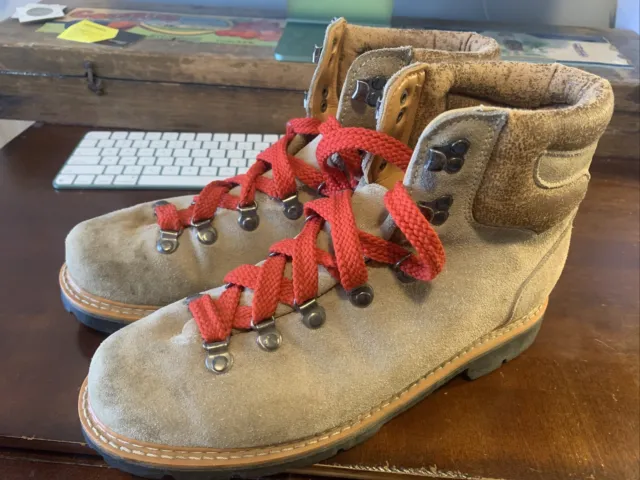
(178, 84)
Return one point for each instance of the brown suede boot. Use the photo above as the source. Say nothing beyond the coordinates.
(299, 359)
(124, 265)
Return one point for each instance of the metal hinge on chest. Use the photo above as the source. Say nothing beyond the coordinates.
(93, 82)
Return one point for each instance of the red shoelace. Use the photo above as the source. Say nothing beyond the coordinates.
(286, 168)
(216, 318)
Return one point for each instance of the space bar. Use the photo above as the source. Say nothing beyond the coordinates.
(176, 180)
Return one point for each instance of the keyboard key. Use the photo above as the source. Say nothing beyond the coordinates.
(243, 170)
(237, 137)
(84, 180)
(106, 143)
(103, 180)
(141, 143)
(146, 152)
(153, 136)
(201, 162)
(164, 161)
(88, 143)
(245, 146)
(270, 138)
(187, 136)
(219, 162)
(87, 151)
(227, 172)
(251, 161)
(164, 152)
(109, 160)
(124, 143)
(217, 153)
(251, 153)
(192, 144)
(189, 171)
(170, 136)
(172, 181)
(82, 169)
(228, 145)
(261, 145)
(183, 161)
(235, 154)
(97, 135)
(254, 137)
(129, 152)
(65, 179)
(182, 152)
(199, 152)
(158, 144)
(176, 144)
(133, 170)
(146, 161)
(151, 170)
(211, 145)
(135, 136)
(203, 137)
(238, 162)
(84, 160)
(212, 171)
(170, 170)
(128, 160)
(125, 180)
(114, 169)
(221, 137)
(119, 135)
(110, 152)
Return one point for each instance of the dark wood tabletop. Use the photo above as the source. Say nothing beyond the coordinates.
(566, 409)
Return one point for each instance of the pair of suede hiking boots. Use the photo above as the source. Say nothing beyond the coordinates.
(409, 229)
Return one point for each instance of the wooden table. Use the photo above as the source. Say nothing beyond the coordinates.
(566, 409)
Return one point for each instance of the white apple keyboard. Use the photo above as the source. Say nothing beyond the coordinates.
(159, 160)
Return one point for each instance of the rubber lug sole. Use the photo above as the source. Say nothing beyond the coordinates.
(478, 367)
(103, 325)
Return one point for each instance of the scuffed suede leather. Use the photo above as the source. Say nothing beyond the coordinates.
(344, 42)
(149, 383)
(114, 256)
(555, 112)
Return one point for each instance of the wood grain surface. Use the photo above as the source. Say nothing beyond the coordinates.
(566, 409)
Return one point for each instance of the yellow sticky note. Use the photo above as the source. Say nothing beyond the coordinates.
(87, 31)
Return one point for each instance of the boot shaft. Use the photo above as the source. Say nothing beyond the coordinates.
(531, 164)
(344, 43)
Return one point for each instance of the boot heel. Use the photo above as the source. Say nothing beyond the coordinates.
(495, 359)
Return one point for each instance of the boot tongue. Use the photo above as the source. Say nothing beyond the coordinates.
(361, 93)
(412, 97)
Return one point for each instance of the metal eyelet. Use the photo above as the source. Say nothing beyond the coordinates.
(361, 296)
(436, 211)
(269, 338)
(168, 240)
(218, 359)
(320, 187)
(449, 158)
(313, 315)
(207, 234)
(248, 219)
(292, 207)
(400, 275)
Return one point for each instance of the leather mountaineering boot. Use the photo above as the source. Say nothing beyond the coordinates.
(124, 265)
(494, 183)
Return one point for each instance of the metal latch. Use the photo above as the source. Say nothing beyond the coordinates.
(93, 82)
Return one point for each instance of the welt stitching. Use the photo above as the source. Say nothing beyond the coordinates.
(81, 297)
(235, 454)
